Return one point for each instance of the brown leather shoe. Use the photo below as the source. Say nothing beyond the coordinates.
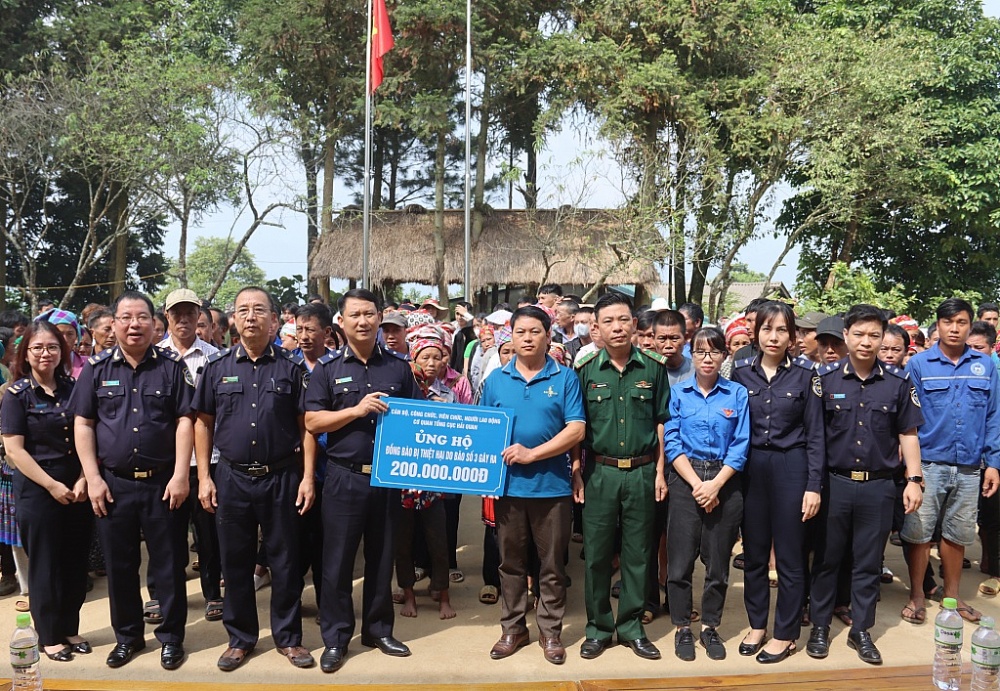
(232, 658)
(508, 644)
(298, 656)
(553, 650)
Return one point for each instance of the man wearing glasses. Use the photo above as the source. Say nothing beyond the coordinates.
(134, 435)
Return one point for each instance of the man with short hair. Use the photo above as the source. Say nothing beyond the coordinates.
(989, 312)
(583, 320)
(565, 312)
(549, 294)
(394, 333)
(830, 340)
(205, 327)
(220, 326)
(805, 332)
(694, 317)
(668, 340)
(102, 327)
(959, 392)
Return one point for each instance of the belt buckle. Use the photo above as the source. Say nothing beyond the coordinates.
(142, 474)
(366, 469)
(257, 470)
(624, 463)
(859, 475)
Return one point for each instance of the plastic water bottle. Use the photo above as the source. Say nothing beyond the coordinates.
(986, 657)
(24, 656)
(948, 627)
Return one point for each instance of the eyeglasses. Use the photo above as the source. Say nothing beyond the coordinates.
(259, 312)
(702, 354)
(143, 319)
(52, 348)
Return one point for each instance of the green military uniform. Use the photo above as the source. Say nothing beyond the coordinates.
(623, 411)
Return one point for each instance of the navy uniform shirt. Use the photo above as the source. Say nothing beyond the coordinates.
(783, 412)
(256, 405)
(341, 380)
(136, 410)
(46, 423)
(864, 418)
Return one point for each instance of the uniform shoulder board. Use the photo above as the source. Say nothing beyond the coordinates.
(827, 368)
(893, 370)
(804, 363)
(405, 357)
(653, 355)
(215, 357)
(168, 353)
(585, 359)
(743, 362)
(101, 356)
(330, 357)
(289, 355)
(19, 385)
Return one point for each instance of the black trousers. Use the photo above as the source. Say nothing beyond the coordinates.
(352, 510)
(432, 523)
(452, 510)
(854, 515)
(653, 578)
(56, 538)
(206, 536)
(138, 504)
(244, 504)
(311, 542)
(691, 532)
(989, 531)
(774, 482)
(491, 557)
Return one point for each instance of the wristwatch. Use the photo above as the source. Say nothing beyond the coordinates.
(919, 479)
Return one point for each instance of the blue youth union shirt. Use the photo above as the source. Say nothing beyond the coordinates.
(542, 409)
(715, 427)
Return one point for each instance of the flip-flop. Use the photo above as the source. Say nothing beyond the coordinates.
(213, 610)
(151, 612)
(914, 615)
(22, 606)
(647, 617)
(397, 596)
(990, 587)
(456, 576)
(936, 594)
(488, 595)
(844, 614)
(969, 614)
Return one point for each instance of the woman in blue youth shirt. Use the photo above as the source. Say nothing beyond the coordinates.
(706, 442)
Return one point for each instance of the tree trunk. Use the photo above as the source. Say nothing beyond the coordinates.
(482, 151)
(119, 259)
(440, 279)
(394, 156)
(846, 252)
(329, 158)
(185, 220)
(308, 155)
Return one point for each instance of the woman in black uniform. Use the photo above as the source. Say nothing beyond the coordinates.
(53, 513)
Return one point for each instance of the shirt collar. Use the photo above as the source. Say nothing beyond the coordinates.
(241, 352)
(934, 353)
(721, 383)
(199, 345)
(550, 369)
(633, 358)
(118, 356)
(848, 370)
(376, 352)
(759, 367)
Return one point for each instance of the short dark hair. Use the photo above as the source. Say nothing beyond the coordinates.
(390, 303)
(571, 306)
(645, 320)
(985, 329)
(711, 335)
(20, 366)
(292, 307)
(132, 295)
(899, 332)
(359, 294)
(162, 318)
(13, 318)
(585, 310)
(207, 312)
(768, 311)
(755, 304)
(313, 297)
(987, 307)
(932, 329)
(97, 315)
(918, 338)
(531, 312)
(611, 298)
(525, 300)
(223, 318)
(864, 313)
(551, 289)
(694, 311)
(317, 311)
(257, 289)
(952, 306)
(45, 301)
(668, 318)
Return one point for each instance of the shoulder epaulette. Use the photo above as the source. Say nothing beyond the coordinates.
(585, 359)
(219, 355)
(827, 368)
(330, 357)
(743, 362)
(168, 353)
(653, 355)
(101, 356)
(804, 363)
(19, 385)
(405, 357)
(289, 355)
(896, 371)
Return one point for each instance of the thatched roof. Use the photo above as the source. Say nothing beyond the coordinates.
(518, 247)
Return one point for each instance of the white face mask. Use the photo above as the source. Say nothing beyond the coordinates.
(582, 330)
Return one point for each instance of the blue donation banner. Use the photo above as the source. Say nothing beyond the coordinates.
(441, 447)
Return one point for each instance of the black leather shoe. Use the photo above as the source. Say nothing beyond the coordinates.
(123, 652)
(64, 654)
(766, 658)
(332, 659)
(862, 642)
(171, 655)
(593, 647)
(751, 649)
(83, 648)
(713, 644)
(388, 645)
(684, 644)
(642, 647)
(819, 642)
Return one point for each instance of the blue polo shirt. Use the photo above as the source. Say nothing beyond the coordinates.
(715, 427)
(960, 403)
(542, 409)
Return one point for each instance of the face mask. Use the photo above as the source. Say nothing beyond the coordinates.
(582, 330)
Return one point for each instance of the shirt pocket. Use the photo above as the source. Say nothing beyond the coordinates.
(228, 396)
(279, 387)
(158, 398)
(642, 404)
(599, 404)
(979, 393)
(346, 395)
(882, 417)
(789, 400)
(110, 401)
(936, 395)
(838, 415)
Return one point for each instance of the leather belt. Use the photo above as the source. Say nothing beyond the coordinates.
(137, 474)
(259, 469)
(863, 475)
(625, 463)
(360, 468)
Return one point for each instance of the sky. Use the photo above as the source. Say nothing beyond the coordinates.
(574, 168)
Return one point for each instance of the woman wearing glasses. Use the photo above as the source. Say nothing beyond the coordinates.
(51, 495)
(706, 442)
(782, 480)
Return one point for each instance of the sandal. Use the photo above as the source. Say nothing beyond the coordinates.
(886, 576)
(844, 614)
(213, 610)
(695, 616)
(456, 576)
(772, 578)
(647, 617)
(22, 606)
(990, 587)
(151, 612)
(419, 574)
(914, 615)
(739, 561)
(936, 594)
(397, 596)
(969, 614)
(489, 595)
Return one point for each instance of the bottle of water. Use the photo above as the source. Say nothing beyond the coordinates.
(24, 656)
(948, 627)
(986, 657)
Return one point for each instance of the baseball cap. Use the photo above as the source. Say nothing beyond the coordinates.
(831, 326)
(809, 320)
(181, 295)
(394, 319)
(659, 304)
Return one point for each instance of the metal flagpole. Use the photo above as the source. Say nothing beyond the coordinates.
(468, 150)
(367, 208)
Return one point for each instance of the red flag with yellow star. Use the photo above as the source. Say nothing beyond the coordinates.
(382, 41)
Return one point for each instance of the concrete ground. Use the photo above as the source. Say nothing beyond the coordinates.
(457, 651)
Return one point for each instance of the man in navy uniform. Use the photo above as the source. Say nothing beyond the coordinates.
(344, 400)
(871, 412)
(134, 435)
(250, 403)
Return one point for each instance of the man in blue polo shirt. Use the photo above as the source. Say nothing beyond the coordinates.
(959, 391)
(537, 505)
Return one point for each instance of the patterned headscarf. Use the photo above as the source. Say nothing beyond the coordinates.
(419, 318)
(503, 335)
(558, 353)
(58, 316)
(737, 327)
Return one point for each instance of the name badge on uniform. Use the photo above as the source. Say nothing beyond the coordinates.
(343, 380)
(643, 384)
(837, 396)
(599, 385)
(40, 406)
(230, 380)
(111, 382)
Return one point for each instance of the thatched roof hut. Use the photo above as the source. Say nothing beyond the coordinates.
(516, 247)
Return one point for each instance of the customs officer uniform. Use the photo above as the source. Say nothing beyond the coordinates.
(257, 406)
(623, 412)
(352, 508)
(135, 413)
(787, 459)
(56, 537)
(864, 418)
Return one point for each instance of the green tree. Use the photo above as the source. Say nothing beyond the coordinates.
(851, 287)
(207, 264)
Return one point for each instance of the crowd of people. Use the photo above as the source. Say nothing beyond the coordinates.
(651, 438)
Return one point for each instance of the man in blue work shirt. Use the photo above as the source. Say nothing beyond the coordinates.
(537, 506)
(958, 391)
